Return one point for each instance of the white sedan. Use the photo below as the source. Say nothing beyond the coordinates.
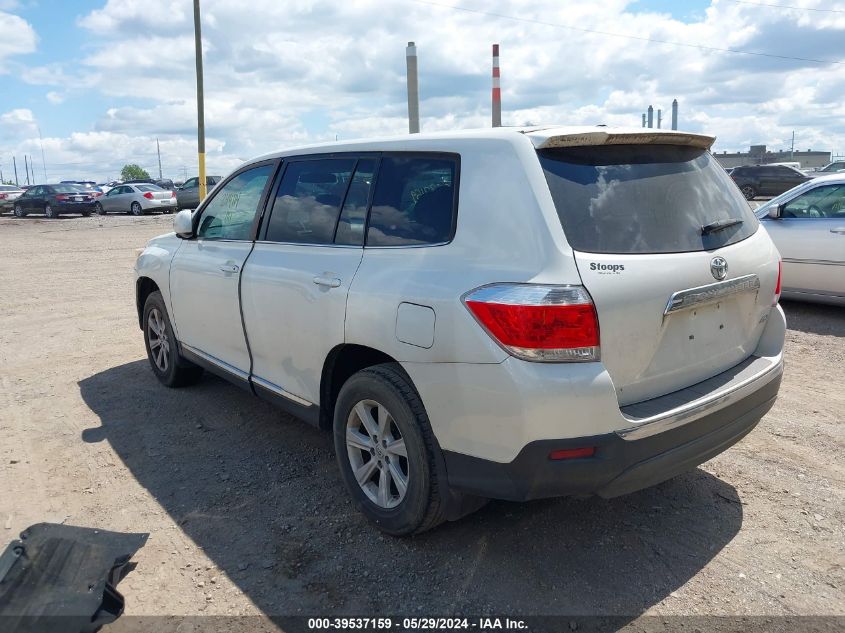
(807, 224)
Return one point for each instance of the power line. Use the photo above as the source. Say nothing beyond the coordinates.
(786, 6)
(626, 36)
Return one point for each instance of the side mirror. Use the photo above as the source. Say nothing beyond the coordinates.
(774, 212)
(183, 224)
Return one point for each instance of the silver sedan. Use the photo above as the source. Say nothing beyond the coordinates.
(8, 195)
(136, 199)
(807, 224)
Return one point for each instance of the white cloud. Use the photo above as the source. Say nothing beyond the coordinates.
(17, 37)
(283, 74)
(55, 98)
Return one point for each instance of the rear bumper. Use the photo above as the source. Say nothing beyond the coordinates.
(619, 465)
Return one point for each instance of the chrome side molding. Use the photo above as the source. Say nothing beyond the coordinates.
(711, 293)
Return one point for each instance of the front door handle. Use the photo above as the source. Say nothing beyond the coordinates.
(330, 282)
(840, 230)
(230, 268)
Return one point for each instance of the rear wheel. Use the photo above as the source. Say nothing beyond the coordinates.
(19, 212)
(386, 451)
(168, 365)
(136, 209)
(748, 191)
(50, 212)
(86, 213)
(99, 209)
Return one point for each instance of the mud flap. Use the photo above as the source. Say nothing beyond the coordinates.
(60, 578)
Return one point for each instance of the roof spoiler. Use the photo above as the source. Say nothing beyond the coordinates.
(621, 138)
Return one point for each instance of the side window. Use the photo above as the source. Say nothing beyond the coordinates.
(822, 202)
(192, 182)
(353, 216)
(413, 202)
(308, 201)
(230, 213)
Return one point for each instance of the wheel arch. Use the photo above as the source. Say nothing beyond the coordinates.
(144, 287)
(341, 363)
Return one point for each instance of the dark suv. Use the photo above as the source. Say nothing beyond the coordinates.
(766, 180)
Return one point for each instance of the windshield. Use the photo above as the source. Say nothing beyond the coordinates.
(644, 199)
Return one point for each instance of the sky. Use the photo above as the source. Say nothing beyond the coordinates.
(95, 83)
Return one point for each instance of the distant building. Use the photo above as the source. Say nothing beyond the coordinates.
(758, 155)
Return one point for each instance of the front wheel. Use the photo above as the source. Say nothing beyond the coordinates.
(19, 212)
(50, 212)
(98, 208)
(168, 365)
(386, 451)
(748, 191)
(136, 209)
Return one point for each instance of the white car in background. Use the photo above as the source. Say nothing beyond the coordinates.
(807, 224)
(136, 199)
(8, 195)
(501, 313)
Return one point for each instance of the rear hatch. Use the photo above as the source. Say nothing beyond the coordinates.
(670, 252)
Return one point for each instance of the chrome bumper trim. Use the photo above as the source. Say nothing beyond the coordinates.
(690, 412)
(280, 391)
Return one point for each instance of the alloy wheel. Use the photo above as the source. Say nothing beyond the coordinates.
(159, 342)
(377, 453)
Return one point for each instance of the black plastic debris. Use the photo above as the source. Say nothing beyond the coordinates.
(61, 579)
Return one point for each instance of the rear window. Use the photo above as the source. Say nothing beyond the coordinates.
(67, 189)
(644, 199)
(148, 188)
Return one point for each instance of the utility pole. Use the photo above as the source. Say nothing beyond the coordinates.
(15, 164)
(200, 102)
(26, 167)
(413, 88)
(43, 162)
(158, 149)
(792, 149)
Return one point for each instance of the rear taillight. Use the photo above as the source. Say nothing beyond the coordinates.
(538, 322)
(62, 197)
(777, 286)
(3, 196)
(172, 194)
(148, 196)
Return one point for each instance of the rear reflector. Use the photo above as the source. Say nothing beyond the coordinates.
(538, 322)
(777, 287)
(573, 453)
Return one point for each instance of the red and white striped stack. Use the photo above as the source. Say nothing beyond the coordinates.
(497, 90)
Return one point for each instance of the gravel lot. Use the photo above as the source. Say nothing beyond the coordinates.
(247, 514)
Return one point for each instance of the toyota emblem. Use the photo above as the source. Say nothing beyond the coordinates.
(719, 268)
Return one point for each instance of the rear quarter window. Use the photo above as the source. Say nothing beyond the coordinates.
(644, 199)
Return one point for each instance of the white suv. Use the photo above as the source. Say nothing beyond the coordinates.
(501, 313)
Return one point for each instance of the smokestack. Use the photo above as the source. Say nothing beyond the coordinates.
(650, 116)
(643, 119)
(413, 89)
(674, 114)
(497, 90)
(659, 118)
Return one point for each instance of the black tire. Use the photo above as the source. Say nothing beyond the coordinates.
(178, 371)
(98, 208)
(424, 502)
(19, 212)
(50, 212)
(748, 191)
(167, 211)
(135, 209)
(86, 213)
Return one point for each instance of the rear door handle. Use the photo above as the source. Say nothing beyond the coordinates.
(840, 230)
(230, 268)
(330, 282)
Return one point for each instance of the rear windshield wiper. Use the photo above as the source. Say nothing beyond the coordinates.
(719, 225)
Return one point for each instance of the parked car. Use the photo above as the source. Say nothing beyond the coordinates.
(831, 168)
(53, 200)
(86, 185)
(502, 313)
(8, 195)
(188, 195)
(137, 200)
(766, 180)
(165, 183)
(807, 224)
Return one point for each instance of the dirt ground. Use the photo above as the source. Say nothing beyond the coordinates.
(247, 514)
